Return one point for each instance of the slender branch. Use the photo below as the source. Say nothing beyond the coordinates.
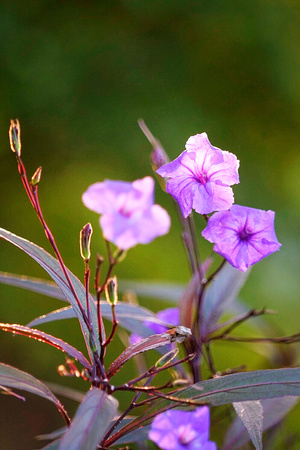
(87, 290)
(210, 361)
(154, 370)
(124, 414)
(281, 340)
(115, 324)
(100, 261)
(191, 225)
(248, 315)
(214, 274)
(58, 255)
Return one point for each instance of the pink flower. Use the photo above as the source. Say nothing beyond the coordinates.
(200, 178)
(242, 235)
(129, 215)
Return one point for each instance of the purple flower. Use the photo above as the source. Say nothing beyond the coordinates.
(200, 178)
(129, 216)
(242, 235)
(169, 316)
(182, 430)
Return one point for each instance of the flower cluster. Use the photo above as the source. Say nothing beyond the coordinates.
(200, 179)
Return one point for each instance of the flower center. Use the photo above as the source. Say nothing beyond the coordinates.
(125, 211)
(245, 234)
(186, 434)
(202, 178)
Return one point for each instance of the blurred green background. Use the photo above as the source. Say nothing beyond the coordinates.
(78, 75)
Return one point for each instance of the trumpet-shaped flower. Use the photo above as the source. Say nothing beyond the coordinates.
(200, 178)
(129, 215)
(182, 430)
(243, 236)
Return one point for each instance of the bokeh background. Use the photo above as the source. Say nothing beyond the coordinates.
(78, 75)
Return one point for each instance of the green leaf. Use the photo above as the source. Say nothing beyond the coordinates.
(17, 379)
(47, 339)
(52, 267)
(91, 421)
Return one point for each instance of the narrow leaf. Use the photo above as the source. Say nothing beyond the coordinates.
(170, 292)
(257, 385)
(157, 290)
(219, 295)
(274, 409)
(33, 284)
(47, 339)
(52, 267)
(178, 334)
(130, 317)
(251, 414)
(7, 391)
(51, 436)
(91, 421)
(17, 379)
(53, 445)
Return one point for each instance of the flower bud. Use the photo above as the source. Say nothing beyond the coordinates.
(111, 291)
(15, 137)
(36, 177)
(119, 255)
(158, 156)
(85, 242)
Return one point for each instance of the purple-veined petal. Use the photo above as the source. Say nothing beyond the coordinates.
(242, 235)
(200, 178)
(182, 430)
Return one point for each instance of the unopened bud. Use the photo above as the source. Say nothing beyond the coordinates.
(36, 177)
(15, 137)
(119, 255)
(167, 358)
(85, 242)
(158, 156)
(111, 291)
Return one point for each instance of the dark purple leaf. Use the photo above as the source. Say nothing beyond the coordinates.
(257, 385)
(52, 267)
(17, 379)
(178, 334)
(219, 295)
(91, 421)
(47, 339)
(130, 317)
